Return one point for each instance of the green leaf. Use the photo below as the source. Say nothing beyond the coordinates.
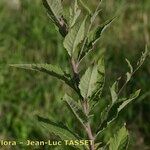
(88, 82)
(76, 109)
(85, 6)
(74, 37)
(54, 71)
(126, 102)
(97, 11)
(113, 91)
(95, 35)
(94, 16)
(100, 79)
(130, 66)
(129, 75)
(54, 8)
(120, 140)
(58, 129)
(143, 57)
(74, 14)
(119, 106)
(111, 112)
(55, 12)
(46, 68)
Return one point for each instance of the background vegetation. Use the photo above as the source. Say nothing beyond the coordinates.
(27, 36)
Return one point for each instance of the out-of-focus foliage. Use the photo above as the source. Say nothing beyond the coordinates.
(26, 35)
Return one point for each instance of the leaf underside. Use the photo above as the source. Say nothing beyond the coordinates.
(120, 140)
(74, 37)
(76, 109)
(74, 14)
(55, 12)
(52, 70)
(100, 80)
(58, 129)
(88, 82)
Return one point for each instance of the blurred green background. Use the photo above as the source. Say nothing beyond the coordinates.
(27, 36)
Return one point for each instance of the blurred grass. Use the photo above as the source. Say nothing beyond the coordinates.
(27, 36)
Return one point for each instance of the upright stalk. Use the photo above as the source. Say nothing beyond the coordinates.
(85, 105)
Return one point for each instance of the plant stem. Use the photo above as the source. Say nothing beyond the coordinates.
(90, 136)
(85, 105)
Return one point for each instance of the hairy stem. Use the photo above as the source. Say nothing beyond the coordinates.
(85, 105)
(90, 136)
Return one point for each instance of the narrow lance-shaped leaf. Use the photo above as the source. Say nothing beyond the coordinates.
(55, 12)
(94, 37)
(113, 91)
(130, 66)
(100, 79)
(129, 74)
(94, 16)
(54, 8)
(126, 102)
(74, 37)
(85, 7)
(74, 14)
(76, 109)
(111, 113)
(54, 71)
(58, 129)
(120, 105)
(120, 140)
(143, 57)
(139, 64)
(96, 12)
(88, 82)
